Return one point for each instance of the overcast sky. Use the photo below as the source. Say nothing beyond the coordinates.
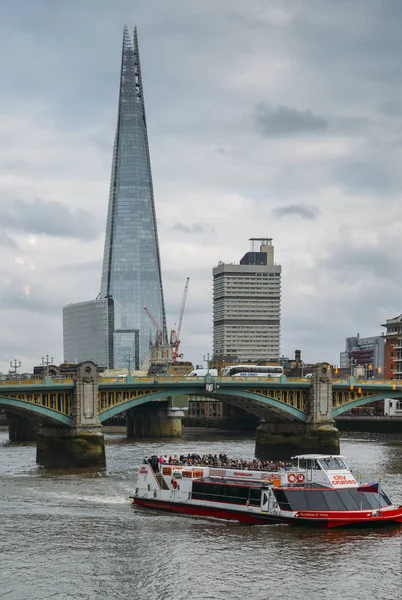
(276, 119)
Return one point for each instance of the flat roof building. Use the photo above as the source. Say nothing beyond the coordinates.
(247, 305)
(393, 348)
(368, 353)
(88, 331)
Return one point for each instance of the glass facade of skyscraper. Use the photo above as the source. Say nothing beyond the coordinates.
(131, 273)
(131, 264)
(88, 331)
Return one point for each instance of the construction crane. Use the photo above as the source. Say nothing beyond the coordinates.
(175, 332)
(159, 331)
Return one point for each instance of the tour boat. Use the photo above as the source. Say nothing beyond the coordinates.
(320, 491)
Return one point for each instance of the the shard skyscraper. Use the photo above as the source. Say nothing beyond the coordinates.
(131, 274)
(131, 263)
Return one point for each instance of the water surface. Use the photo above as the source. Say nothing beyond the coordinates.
(75, 535)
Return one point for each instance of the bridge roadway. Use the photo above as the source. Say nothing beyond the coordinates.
(50, 400)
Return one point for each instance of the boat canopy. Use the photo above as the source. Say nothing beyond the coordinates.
(326, 462)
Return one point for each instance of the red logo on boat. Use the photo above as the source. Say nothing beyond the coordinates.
(143, 470)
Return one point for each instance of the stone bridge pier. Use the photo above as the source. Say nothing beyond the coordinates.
(81, 445)
(154, 421)
(318, 435)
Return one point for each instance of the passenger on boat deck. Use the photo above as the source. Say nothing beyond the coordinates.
(222, 460)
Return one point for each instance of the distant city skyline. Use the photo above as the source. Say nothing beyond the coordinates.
(274, 117)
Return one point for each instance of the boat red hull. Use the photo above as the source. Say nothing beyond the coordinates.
(306, 519)
(210, 511)
(348, 519)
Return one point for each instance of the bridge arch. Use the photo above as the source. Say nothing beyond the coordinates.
(340, 410)
(256, 403)
(36, 411)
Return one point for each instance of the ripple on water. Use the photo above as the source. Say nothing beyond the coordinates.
(74, 535)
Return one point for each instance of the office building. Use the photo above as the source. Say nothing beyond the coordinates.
(393, 348)
(364, 356)
(88, 329)
(131, 273)
(247, 305)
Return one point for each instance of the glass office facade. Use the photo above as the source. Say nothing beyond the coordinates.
(125, 347)
(131, 265)
(88, 331)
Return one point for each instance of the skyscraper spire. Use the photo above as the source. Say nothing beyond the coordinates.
(131, 264)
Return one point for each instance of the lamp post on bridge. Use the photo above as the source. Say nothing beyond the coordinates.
(127, 359)
(46, 363)
(167, 362)
(210, 381)
(206, 359)
(15, 366)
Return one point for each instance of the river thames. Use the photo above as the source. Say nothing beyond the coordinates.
(75, 535)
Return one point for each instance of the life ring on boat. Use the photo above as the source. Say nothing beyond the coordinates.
(174, 484)
(292, 477)
(300, 478)
(271, 478)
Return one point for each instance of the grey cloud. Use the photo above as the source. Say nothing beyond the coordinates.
(23, 295)
(49, 217)
(368, 175)
(8, 242)
(20, 166)
(79, 267)
(351, 261)
(332, 60)
(195, 228)
(296, 210)
(283, 121)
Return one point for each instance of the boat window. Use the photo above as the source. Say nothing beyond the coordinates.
(302, 463)
(355, 500)
(315, 501)
(255, 496)
(312, 463)
(282, 500)
(333, 464)
(350, 499)
(333, 500)
(220, 492)
(291, 499)
(298, 500)
(323, 500)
